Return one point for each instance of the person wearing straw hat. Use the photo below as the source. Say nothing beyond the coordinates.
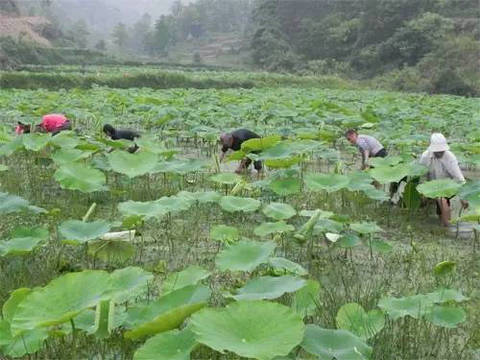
(442, 164)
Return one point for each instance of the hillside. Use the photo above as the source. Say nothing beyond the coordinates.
(29, 28)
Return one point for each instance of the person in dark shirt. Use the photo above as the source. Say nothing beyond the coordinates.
(117, 134)
(234, 141)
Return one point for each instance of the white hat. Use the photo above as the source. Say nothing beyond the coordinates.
(438, 143)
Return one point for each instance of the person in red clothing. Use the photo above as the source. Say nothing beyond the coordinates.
(51, 123)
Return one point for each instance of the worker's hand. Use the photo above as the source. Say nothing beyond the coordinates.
(239, 170)
(464, 204)
(222, 155)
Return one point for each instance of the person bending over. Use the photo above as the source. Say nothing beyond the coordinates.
(367, 145)
(51, 123)
(442, 164)
(118, 134)
(234, 142)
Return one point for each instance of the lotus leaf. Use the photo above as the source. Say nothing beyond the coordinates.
(415, 306)
(471, 192)
(286, 265)
(111, 250)
(354, 318)
(387, 161)
(388, 174)
(305, 300)
(180, 166)
(327, 182)
(132, 165)
(201, 196)
(174, 204)
(35, 142)
(170, 345)
(166, 313)
(235, 203)
(127, 283)
(260, 143)
(268, 228)
(61, 300)
(279, 211)
(446, 295)
(285, 186)
(439, 188)
(244, 255)
(282, 163)
(349, 241)
(79, 232)
(443, 268)
(267, 287)
(339, 344)
(148, 209)
(189, 276)
(365, 227)
(10, 306)
(224, 233)
(28, 343)
(3, 167)
(12, 203)
(23, 241)
(68, 155)
(76, 176)
(359, 180)
(446, 316)
(226, 178)
(253, 329)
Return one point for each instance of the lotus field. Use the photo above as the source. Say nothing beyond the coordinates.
(167, 254)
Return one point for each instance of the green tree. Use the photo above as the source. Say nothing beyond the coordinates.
(120, 36)
(79, 33)
(161, 35)
(140, 32)
(101, 45)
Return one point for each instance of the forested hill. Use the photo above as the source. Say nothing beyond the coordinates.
(419, 40)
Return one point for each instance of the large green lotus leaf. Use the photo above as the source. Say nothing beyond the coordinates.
(268, 228)
(440, 296)
(111, 250)
(279, 151)
(235, 203)
(365, 227)
(251, 329)
(79, 232)
(12, 203)
(327, 182)
(224, 233)
(268, 287)
(201, 196)
(68, 155)
(35, 142)
(354, 318)
(446, 316)
(62, 299)
(339, 344)
(180, 166)
(283, 163)
(127, 283)
(10, 147)
(191, 275)
(415, 306)
(132, 165)
(471, 192)
(305, 300)
(439, 188)
(285, 265)
(226, 178)
(77, 176)
(28, 343)
(416, 169)
(23, 240)
(170, 345)
(260, 144)
(148, 209)
(167, 313)
(174, 204)
(10, 306)
(279, 211)
(244, 255)
(359, 180)
(65, 139)
(387, 161)
(285, 186)
(389, 174)
(348, 241)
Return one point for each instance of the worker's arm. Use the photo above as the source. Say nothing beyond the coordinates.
(365, 156)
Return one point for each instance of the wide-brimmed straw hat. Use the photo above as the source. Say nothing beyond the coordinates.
(438, 143)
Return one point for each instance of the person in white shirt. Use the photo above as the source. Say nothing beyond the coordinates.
(442, 164)
(367, 145)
